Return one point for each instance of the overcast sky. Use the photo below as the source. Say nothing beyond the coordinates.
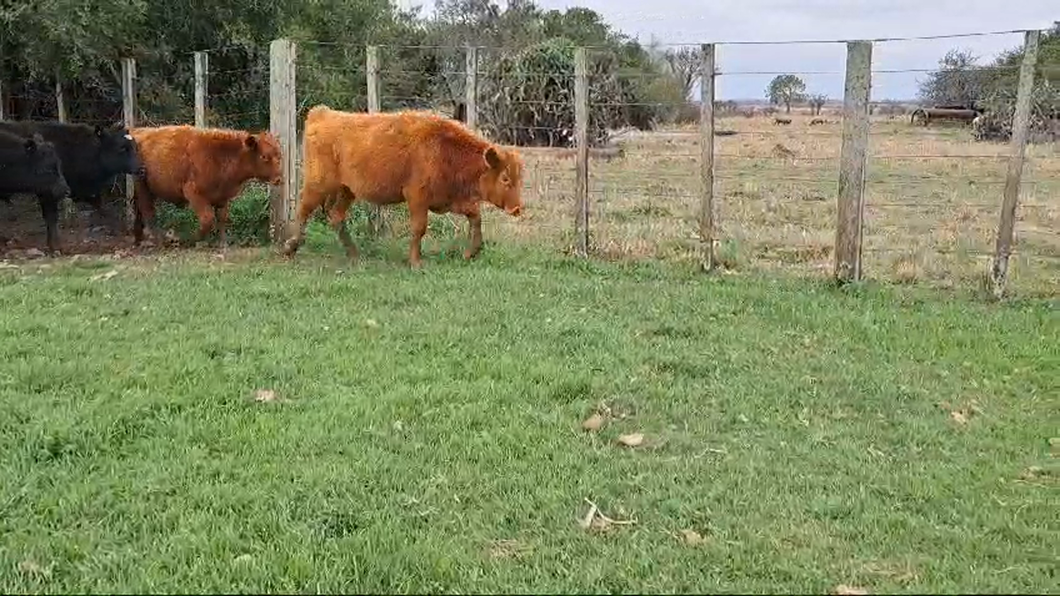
(701, 21)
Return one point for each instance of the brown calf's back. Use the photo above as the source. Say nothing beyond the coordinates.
(216, 162)
(379, 157)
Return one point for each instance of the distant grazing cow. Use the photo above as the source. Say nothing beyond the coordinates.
(817, 121)
(91, 157)
(32, 166)
(780, 120)
(434, 164)
(202, 168)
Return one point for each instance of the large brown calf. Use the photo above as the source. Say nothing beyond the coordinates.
(433, 163)
(204, 168)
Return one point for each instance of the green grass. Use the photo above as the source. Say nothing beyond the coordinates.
(426, 418)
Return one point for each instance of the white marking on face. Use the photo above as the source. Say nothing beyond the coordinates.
(128, 137)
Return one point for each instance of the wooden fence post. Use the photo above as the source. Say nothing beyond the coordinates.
(128, 94)
(202, 66)
(850, 208)
(706, 146)
(1018, 151)
(375, 212)
(471, 87)
(60, 100)
(581, 139)
(283, 122)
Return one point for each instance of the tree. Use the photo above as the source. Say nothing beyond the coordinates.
(683, 64)
(817, 102)
(957, 82)
(529, 55)
(786, 90)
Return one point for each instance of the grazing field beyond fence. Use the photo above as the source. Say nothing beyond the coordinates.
(181, 423)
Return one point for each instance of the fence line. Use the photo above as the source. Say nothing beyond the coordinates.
(854, 158)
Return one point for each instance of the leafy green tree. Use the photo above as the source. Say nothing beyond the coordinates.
(786, 90)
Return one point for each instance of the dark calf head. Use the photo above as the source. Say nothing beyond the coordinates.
(117, 151)
(46, 176)
(502, 183)
(261, 157)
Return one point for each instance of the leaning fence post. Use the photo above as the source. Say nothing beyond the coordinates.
(128, 94)
(202, 62)
(471, 87)
(706, 146)
(375, 212)
(850, 208)
(581, 139)
(283, 112)
(1018, 150)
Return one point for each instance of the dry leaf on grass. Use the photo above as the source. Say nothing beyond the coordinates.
(265, 396)
(631, 440)
(1033, 473)
(371, 323)
(843, 589)
(595, 519)
(104, 276)
(692, 537)
(593, 423)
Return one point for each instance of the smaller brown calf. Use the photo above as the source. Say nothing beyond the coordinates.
(204, 168)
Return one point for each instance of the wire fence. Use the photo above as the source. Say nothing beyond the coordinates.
(932, 192)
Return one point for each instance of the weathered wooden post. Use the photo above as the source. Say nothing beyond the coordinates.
(581, 140)
(706, 146)
(1017, 153)
(202, 62)
(283, 114)
(128, 91)
(850, 211)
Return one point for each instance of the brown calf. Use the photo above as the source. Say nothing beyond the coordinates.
(433, 163)
(204, 168)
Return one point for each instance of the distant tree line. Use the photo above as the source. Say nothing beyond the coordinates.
(529, 55)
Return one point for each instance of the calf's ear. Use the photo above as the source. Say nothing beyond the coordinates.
(251, 142)
(493, 158)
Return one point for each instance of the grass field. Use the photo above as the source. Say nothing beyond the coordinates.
(194, 424)
(932, 201)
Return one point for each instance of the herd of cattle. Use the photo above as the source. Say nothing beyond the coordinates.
(432, 163)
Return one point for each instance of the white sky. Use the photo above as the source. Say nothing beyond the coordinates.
(676, 22)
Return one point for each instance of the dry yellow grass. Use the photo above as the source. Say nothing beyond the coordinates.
(933, 200)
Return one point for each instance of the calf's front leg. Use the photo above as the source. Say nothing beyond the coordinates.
(49, 208)
(418, 227)
(474, 232)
